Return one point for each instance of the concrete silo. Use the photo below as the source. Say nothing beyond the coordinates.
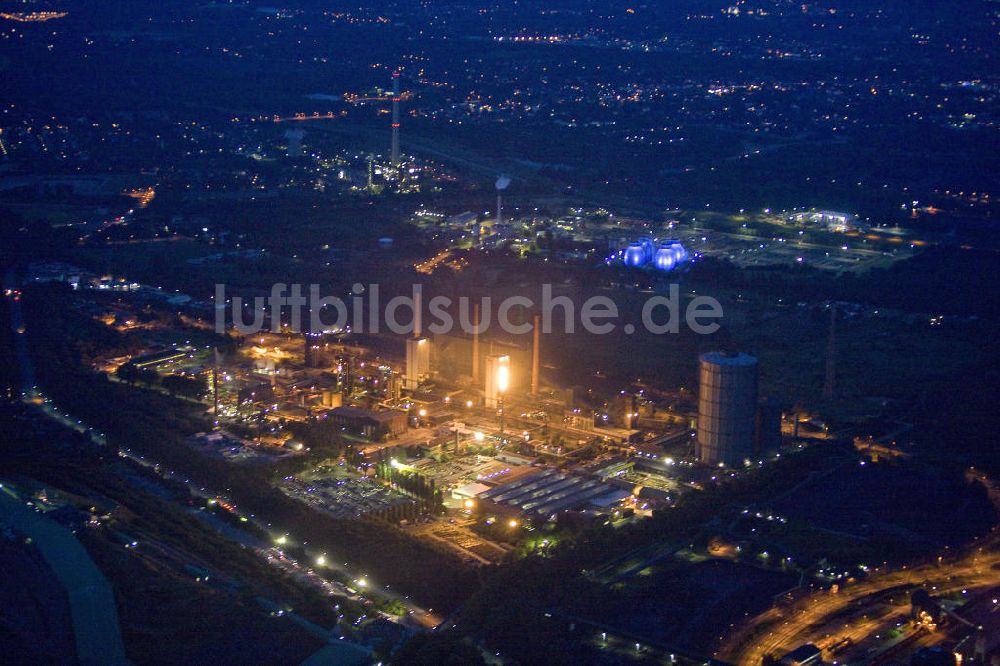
(727, 408)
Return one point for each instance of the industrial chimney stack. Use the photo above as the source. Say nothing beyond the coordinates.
(535, 358)
(395, 118)
(475, 343)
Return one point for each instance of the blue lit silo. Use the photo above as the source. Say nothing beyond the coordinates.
(665, 258)
(635, 255)
(648, 248)
(680, 254)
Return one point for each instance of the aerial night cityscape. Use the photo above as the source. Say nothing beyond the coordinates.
(527, 332)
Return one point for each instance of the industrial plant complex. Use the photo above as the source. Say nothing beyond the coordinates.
(499, 333)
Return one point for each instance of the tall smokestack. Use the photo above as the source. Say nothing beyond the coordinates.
(307, 350)
(535, 359)
(475, 343)
(395, 118)
(417, 313)
(215, 386)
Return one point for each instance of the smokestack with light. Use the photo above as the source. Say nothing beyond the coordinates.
(535, 358)
(475, 343)
(395, 118)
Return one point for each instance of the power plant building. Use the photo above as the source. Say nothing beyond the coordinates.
(727, 408)
(454, 357)
(418, 361)
(372, 425)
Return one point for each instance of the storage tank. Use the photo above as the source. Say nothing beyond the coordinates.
(665, 258)
(680, 254)
(635, 254)
(727, 408)
(648, 248)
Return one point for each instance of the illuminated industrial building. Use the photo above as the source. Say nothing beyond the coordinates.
(418, 361)
(418, 352)
(727, 408)
(547, 493)
(668, 255)
(312, 355)
(460, 358)
(831, 220)
(372, 425)
(497, 378)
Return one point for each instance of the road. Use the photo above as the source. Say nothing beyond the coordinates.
(821, 617)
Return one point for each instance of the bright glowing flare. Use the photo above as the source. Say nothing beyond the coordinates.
(503, 378)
